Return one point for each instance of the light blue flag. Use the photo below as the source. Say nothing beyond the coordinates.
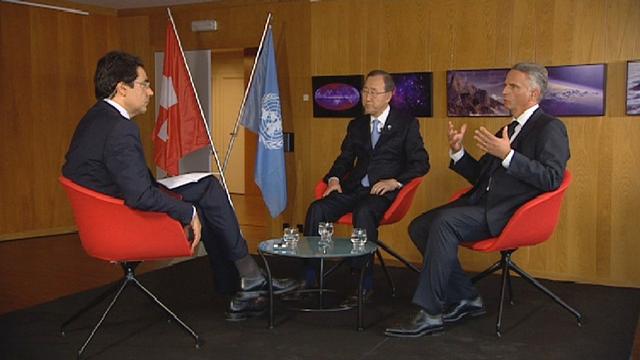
(263, 116)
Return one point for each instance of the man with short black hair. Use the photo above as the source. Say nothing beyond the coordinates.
(382, 151)
(106, 155)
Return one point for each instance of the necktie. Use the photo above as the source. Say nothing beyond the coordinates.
(375, 136)
(511, 128)
(375, 133)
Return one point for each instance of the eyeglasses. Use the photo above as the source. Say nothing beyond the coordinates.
(144, 84)
(372, 93)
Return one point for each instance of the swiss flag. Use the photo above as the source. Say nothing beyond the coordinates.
(180, 127)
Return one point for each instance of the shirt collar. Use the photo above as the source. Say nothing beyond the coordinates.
(522, 119)
(382, 118)
(118, 107)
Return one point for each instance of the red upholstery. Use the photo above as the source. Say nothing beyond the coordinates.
(394, 213)
(110, 230)
(531, 224)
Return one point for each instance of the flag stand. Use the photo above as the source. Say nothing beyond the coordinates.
(234, 134)
(213, 147)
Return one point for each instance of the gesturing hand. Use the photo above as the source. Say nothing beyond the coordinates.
(456, 137)
(486, 141)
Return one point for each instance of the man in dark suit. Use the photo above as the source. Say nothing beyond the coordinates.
(106, 155)
(522, 160)
(382, 151)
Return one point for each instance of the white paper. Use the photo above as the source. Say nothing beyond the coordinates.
(176, 181)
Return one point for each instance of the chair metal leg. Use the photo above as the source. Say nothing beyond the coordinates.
(96, 301)
(104, 316)
(509, 286)
(493, 268)
(129, 276)
(391, 252)
(540, 287)
(167, 310)
(505, 275)
(386, 273)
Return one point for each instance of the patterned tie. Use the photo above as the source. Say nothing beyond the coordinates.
(375, 136)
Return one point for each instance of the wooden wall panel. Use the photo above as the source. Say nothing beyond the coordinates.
(594, 238)
(48, 59)
(594, 241)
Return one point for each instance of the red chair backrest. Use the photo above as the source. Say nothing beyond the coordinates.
(394, 213)
(531, 224)
(110, 230)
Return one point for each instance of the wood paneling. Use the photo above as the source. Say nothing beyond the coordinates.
(595, 239)
(47, 63)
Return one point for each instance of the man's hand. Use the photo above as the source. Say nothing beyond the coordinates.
(334, 185)
(498, 147)
(197, 231)
(456, 136)
(384, 186)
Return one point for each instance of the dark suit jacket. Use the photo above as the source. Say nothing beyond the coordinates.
(106, 155)
(399, 153)
(538, 165)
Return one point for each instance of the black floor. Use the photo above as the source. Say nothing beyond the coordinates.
(533, 328)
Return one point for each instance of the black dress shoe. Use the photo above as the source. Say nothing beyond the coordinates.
(250, 288)
(243, 309)
(420, 324)
(352, 300)
(471, 307)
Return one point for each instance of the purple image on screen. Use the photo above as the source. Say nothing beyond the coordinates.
(413, 93)
(337, 96)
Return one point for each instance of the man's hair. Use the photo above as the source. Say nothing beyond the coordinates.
(538, 76)
(115, 67)
(389, 85)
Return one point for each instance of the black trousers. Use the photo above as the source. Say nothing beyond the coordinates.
(220, 230)
(367, 210)
(437, 234)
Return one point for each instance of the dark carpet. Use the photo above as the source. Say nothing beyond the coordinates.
(533, 328)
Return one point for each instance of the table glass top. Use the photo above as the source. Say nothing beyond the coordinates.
(312, 247)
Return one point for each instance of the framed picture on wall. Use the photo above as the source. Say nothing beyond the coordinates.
(633, 87)
(337, 96)
(576, 90)
(476, 92)
(414, 93)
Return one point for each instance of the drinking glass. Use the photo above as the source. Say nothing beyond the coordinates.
(328, 228)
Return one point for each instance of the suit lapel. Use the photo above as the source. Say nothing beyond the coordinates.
(528, 126)
(390, 126)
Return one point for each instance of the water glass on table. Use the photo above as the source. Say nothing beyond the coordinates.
(358, 239)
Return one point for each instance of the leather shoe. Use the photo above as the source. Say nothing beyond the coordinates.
(470, 307)
(420, 324)
(250, 288)
(352, 300)
(243, 309)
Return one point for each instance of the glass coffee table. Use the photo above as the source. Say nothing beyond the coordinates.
(311, 247)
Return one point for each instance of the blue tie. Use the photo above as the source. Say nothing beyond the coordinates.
(375, 133)
(375, 136)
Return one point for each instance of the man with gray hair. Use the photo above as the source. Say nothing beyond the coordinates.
(522, 160)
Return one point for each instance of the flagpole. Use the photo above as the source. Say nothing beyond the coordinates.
(234, 134)
(213, 147)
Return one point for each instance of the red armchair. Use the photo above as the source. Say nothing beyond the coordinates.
(531, 224)
(394, 213)
(111, 231)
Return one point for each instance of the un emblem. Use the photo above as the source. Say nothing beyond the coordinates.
(271, 124)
